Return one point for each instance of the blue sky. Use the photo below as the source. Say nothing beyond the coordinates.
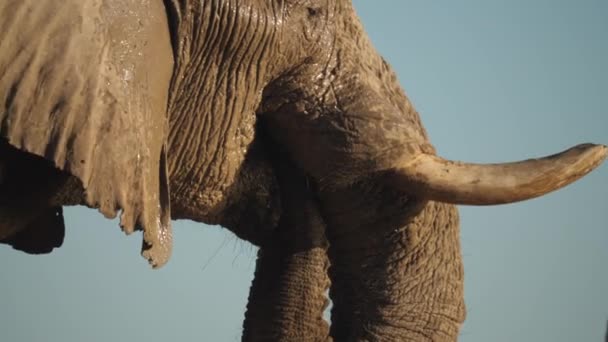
(493, 81)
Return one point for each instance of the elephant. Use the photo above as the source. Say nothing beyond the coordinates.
(277, 120)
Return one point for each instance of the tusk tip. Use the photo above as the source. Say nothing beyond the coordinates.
(596, 153)
(603, 151)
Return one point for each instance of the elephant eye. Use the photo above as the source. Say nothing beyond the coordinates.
(313, 11)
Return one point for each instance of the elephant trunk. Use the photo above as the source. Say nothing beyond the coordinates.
(396, 266)
(393, 277)
(287, 297)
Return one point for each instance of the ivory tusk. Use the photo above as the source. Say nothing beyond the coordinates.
(434, 178)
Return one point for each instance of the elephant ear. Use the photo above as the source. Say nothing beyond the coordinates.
(84, 84)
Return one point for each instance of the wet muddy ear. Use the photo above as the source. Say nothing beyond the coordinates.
(85, 86)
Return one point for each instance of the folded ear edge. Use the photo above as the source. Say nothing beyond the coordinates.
(94, 103)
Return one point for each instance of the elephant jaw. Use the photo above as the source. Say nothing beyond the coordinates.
(441, 180)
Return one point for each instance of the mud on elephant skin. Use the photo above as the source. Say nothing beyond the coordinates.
(169, 109)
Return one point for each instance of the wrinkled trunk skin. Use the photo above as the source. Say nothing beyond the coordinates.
(396, 271)
(287, 297)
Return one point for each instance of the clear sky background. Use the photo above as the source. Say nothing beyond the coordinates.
(494, 81)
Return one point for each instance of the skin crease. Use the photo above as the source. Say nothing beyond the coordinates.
(306, 74)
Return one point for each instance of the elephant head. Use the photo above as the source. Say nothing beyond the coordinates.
(170, 110)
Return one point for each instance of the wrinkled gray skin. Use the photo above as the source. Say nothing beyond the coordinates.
(276, 119)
